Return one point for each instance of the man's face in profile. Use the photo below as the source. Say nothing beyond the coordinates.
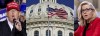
(12, 14)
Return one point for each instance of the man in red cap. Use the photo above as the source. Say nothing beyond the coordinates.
(12, 26)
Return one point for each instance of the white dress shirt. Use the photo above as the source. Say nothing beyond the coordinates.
(10, 24)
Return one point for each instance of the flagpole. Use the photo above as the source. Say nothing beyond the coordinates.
(48, 26)
(48, 23)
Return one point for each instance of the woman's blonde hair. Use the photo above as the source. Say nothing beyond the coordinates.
(80, 18)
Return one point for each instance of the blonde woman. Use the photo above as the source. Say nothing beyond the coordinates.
(89, 23)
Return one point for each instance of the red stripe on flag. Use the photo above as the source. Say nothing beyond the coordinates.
(50, 14)
(62, 14)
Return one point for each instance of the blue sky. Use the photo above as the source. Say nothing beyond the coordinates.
(69, 3)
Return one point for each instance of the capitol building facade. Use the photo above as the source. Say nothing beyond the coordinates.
(38, 23)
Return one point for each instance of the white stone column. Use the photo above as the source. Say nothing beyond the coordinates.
(41, 31)
(31, 32)
(55, 1)
(53, 30)
(65, 29)
(40, 1)
(63, 32)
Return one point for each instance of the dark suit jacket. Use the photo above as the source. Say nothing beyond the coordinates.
(6, 31)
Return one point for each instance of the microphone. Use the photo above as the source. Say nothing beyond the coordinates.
(14, 21)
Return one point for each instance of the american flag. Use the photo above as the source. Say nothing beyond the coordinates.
(50, 14)
(59, 12)
(62, 13)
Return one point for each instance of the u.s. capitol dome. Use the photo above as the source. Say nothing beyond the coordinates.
(38, 23)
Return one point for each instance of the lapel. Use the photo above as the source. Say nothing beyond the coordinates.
(6, 29)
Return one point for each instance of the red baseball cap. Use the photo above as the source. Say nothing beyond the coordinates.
(13, 5)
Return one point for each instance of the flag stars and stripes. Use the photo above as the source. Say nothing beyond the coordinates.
(59, 12)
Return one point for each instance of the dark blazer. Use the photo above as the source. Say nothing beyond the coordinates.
(6, 31)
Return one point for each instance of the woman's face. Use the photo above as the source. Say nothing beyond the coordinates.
(87, 12)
